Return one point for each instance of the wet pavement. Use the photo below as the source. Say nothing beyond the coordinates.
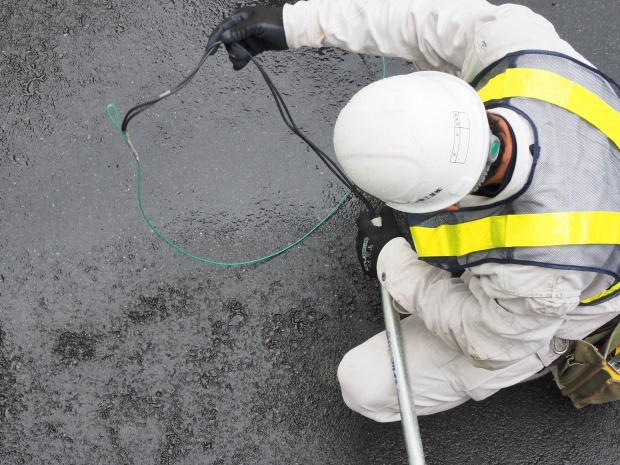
(115, 349)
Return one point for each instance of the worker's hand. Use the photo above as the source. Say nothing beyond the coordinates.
(371, 239)
(256, 28)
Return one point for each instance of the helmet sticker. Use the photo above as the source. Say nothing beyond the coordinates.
(460, 147)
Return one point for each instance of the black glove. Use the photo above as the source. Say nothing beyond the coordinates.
(256, 28)
(371, 239)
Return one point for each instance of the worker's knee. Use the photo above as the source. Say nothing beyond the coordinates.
(366, 390)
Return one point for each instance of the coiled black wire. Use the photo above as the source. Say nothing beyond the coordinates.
(282, 108)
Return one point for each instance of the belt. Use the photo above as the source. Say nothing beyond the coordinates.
(606, 327)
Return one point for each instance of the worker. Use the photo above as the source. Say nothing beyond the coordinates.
(503, 152)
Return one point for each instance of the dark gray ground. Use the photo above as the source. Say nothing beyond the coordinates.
(114, 349)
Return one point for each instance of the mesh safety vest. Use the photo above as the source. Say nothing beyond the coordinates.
(568, 213)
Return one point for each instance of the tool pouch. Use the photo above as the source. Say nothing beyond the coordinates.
(584, 374)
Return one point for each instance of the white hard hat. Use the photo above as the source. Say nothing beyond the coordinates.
(418, 142)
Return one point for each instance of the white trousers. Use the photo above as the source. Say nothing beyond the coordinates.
(441, 378)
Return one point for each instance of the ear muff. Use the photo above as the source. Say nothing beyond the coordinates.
(494, 147)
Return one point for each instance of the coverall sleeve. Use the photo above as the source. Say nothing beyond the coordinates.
(456, 36)
(496, 315)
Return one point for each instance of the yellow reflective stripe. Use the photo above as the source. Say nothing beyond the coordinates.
(605, 293)
(529, 230)
(553, 88)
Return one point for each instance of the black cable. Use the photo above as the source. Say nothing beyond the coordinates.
(135, 111)
(338, 172)
(282, 108)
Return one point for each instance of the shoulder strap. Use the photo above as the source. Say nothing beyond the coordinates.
(557, 90)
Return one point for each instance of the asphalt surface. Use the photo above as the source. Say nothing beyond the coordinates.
(115, 349)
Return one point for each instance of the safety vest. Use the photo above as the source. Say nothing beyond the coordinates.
(568, 213)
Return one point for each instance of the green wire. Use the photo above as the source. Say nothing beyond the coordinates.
(116, 122)
(212, 262)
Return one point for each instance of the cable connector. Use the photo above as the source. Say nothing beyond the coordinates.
(132, 149)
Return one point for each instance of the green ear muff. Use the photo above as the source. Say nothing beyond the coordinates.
(494, 147)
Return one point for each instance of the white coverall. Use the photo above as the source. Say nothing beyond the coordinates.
(499, 324)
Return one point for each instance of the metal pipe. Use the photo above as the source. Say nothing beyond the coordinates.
(409, 420)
